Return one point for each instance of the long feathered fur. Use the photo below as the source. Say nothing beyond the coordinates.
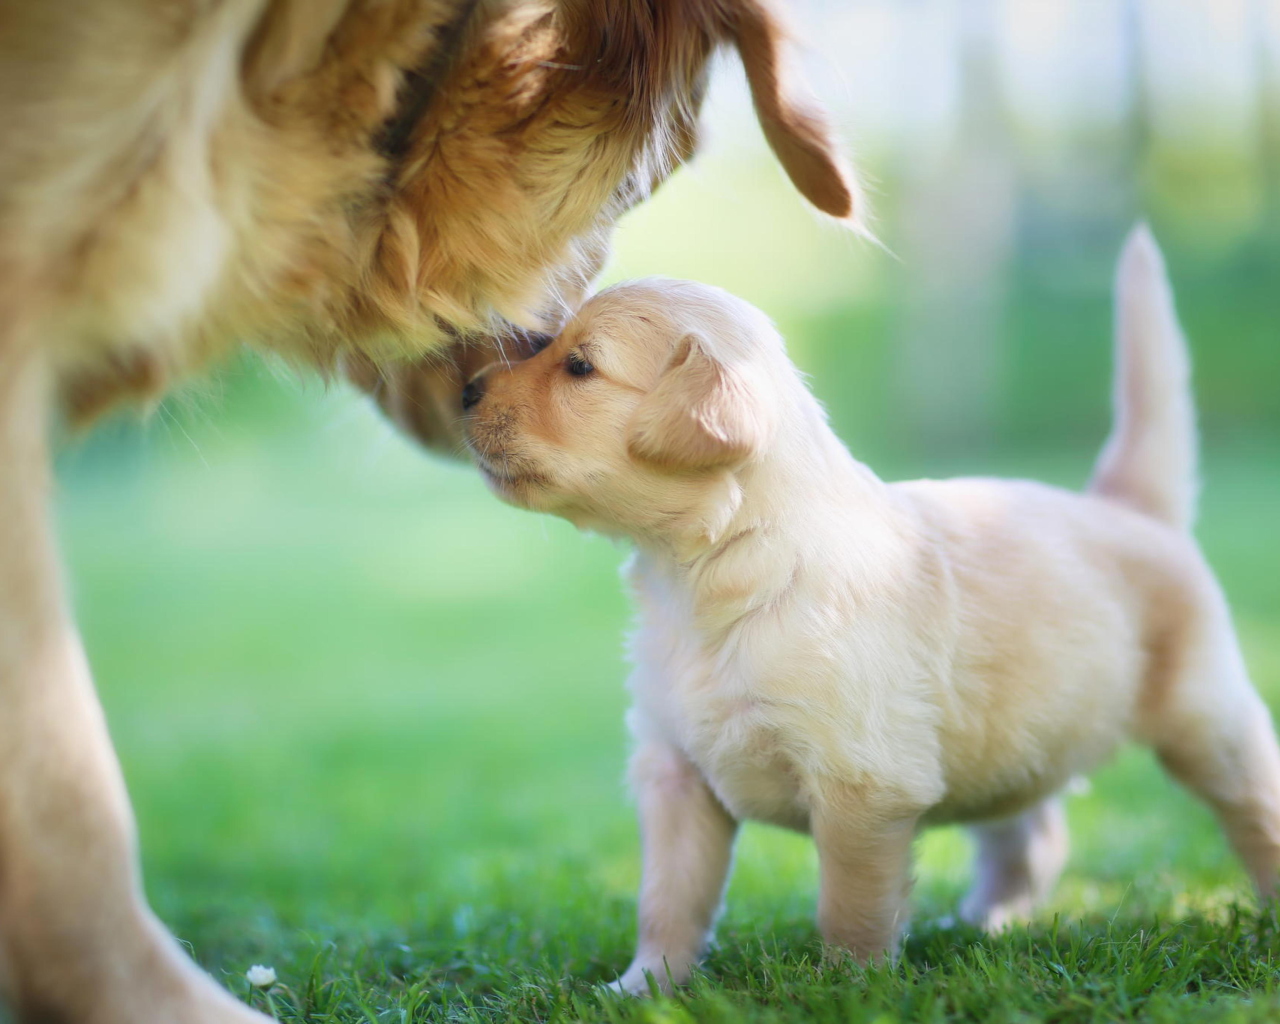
(379, 176)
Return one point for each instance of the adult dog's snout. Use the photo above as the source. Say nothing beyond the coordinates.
(527, 343)
(472, 393)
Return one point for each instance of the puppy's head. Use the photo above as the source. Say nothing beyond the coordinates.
(636, 418)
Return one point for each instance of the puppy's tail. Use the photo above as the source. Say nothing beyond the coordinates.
(1149, 461)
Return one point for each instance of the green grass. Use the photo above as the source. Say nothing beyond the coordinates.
(372, 724)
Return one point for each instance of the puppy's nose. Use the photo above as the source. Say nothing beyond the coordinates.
(472, 393)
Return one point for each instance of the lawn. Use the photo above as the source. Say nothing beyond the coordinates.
(372, 724)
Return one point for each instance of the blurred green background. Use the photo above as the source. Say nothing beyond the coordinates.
(360, 704)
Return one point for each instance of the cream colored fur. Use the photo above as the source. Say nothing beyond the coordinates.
(827, 652)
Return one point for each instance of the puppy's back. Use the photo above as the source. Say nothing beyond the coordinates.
(1065, 605)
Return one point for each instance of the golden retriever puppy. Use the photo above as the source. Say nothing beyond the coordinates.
(824, 651)
(345, 182)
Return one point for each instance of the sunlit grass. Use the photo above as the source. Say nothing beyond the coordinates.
(372, 723)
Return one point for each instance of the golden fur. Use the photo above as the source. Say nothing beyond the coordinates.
(344, 182)
(179, 176)
(827, 652)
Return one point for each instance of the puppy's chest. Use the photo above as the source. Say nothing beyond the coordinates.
(729, 725)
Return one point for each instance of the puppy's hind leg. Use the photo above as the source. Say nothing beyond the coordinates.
(1213, 733)
(1017, 864)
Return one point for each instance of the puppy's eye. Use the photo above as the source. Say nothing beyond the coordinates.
(577, 366)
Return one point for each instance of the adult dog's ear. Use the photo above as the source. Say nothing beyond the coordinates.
(797, 129)
(702, 415)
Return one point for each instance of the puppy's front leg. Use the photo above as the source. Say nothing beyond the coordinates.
(864, 865)
(688, 843)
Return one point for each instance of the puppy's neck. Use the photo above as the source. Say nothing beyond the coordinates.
(804, 502)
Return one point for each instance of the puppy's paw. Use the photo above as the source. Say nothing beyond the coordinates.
(998, 916)
(615, 988)
(643, 980)
(838, 956)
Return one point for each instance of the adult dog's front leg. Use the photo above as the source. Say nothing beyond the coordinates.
(864, 863)
(77, 941)
(688, 843)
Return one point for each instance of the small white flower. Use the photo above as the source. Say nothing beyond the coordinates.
(261, 977)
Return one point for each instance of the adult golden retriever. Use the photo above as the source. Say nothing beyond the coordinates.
(334, 180)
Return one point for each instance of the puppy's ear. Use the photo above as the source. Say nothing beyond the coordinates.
(702, 415)
(797, 130)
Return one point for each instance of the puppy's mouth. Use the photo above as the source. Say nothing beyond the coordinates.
(509, 479)
(494, 444)
(506, 475)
